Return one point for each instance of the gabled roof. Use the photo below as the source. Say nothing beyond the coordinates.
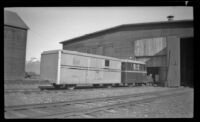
(137, 26)
(12, 19)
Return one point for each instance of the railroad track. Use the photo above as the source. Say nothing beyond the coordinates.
(51, 90)
(85, 106)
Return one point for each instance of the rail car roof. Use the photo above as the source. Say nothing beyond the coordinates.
(80, 53)
(133, 61)
(12, 19)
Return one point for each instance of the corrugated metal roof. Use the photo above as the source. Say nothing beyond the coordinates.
(137, 26)
(12, 19)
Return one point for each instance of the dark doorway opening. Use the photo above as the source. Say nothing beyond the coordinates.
(154, 71)
(186, 67)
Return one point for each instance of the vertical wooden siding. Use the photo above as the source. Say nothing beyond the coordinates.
(14, 52)
(150, 46)
(173, 56)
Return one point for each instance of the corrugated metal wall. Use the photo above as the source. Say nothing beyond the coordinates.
(14, 52)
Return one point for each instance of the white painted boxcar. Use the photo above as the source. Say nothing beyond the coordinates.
(63, 67)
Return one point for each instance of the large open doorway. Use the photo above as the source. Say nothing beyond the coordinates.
(154, 71)
(186, 67)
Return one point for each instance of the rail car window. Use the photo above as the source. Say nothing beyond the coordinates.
(134, 66)
(107, 63)
(137, 66)
(144, 68)
(128, 67)
(131, 66)
(123, 66)
(141, 67)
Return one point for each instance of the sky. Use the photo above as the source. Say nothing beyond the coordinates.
(51, 25)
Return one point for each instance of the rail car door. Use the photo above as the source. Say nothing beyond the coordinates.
(173, 61)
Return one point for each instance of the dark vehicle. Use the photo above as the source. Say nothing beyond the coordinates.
(134, 73)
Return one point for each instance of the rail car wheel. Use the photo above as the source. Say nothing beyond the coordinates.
(117, 85)
(96, 85)
(132, 84)
(56, 86)
(108, 85)
(71, 87)
(129, 84)
(125, 84)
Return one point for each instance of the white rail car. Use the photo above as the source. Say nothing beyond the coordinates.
(69, 68)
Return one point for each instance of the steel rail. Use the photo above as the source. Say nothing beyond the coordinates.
(106, 107)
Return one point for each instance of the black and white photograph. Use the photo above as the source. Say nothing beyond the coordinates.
(98, 62)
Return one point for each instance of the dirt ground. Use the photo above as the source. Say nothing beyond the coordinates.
(45, 97)
(169, 107)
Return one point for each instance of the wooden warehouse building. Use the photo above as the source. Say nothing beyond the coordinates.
(166, 47)
(15, 37)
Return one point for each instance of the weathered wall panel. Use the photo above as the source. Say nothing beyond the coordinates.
(163, 74)
(159, 61)
(173, 56)
(150, 46)
(14, 52)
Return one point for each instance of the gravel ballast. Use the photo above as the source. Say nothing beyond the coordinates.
(45, 97)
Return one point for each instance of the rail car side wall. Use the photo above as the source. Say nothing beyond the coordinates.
(73, 69)
(131, 74)
(98, 73)
(79, 69)
(133, 77)
(49, 67)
